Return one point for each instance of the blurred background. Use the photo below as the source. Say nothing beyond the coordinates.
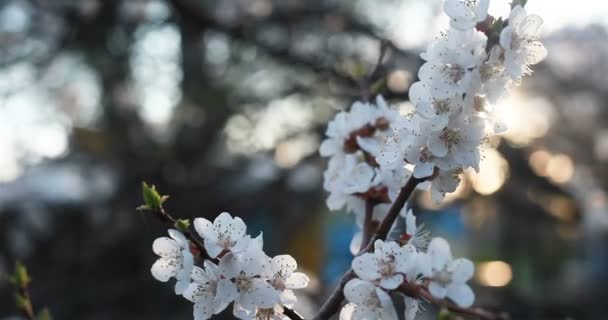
(222, 104)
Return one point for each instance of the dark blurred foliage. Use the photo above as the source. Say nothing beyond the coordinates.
(222, 105)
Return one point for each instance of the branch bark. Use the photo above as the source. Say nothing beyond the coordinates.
(333, 303)
(420, 292)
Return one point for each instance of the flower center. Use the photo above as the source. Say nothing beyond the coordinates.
(225, 241)
(453, 72)
(480, 103)
(278, 281)
(372, 301)
(441, 106)
(450, 137)
(490, 71)
(425, 155)
(443, 277)
(243, 283)
(264, 314)
(386, 267)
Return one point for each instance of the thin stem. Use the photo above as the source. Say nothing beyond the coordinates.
(393, 212)
(334, 301)
(292, 314)
(420, 292)
(27, 308)
(368, 224)
(169, 222)
(332, 305)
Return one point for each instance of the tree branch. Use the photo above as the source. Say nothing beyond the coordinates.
(331, 306)
(170, 222)
(367, 224)
(420, 292)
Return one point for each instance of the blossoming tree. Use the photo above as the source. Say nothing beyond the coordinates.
(377, 157)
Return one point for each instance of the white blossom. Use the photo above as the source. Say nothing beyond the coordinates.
(175, 260)
(448, 276)
(366, 301)
(452, 63)
(445, 182)
(352, 177)
(241, 282)
(203, 291)
(465, 14)
(388, 264)
(520, 42)
(459, 141)
(225, 234)
(282, 276)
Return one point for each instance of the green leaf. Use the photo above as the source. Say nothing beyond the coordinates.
(152, 198)
(21, 277)
(45, 314)
(182, 225)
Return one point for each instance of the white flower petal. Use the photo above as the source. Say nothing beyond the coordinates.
(204, 228)
(439, 253)
(437, 290)
(288, 298)
(388, 309)
(297, 280)
(461, 294)
(284, 263)
(366, 266)
(462, 270)
(226, 291)
(163, 269)
(391, 282)
(166, 247)
(203, 308)
(263, 294)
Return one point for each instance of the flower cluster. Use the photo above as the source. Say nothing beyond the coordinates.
(240, 273)
(463, 77)
(353, 177)
(394, 264)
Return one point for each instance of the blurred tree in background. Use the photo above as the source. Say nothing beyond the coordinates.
(222, 105)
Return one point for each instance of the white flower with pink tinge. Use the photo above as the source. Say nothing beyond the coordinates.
(465, 14)
(448, 277)
(520, 42)
(282, 276)
(225, 234)
(203, 291)
(175, 260)
(388, 264)
(366, 301)
(241, 282)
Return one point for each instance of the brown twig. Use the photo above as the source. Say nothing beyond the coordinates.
(331, 306)
(170, 222)
(26, 303)
(292, 314)
(420, 292)
(367, 224)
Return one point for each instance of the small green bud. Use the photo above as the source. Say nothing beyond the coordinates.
(45, 314)
(498, 25)
(20, 278)
(21, 302)
(152, 199)
(182, 225)
(444, 314)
